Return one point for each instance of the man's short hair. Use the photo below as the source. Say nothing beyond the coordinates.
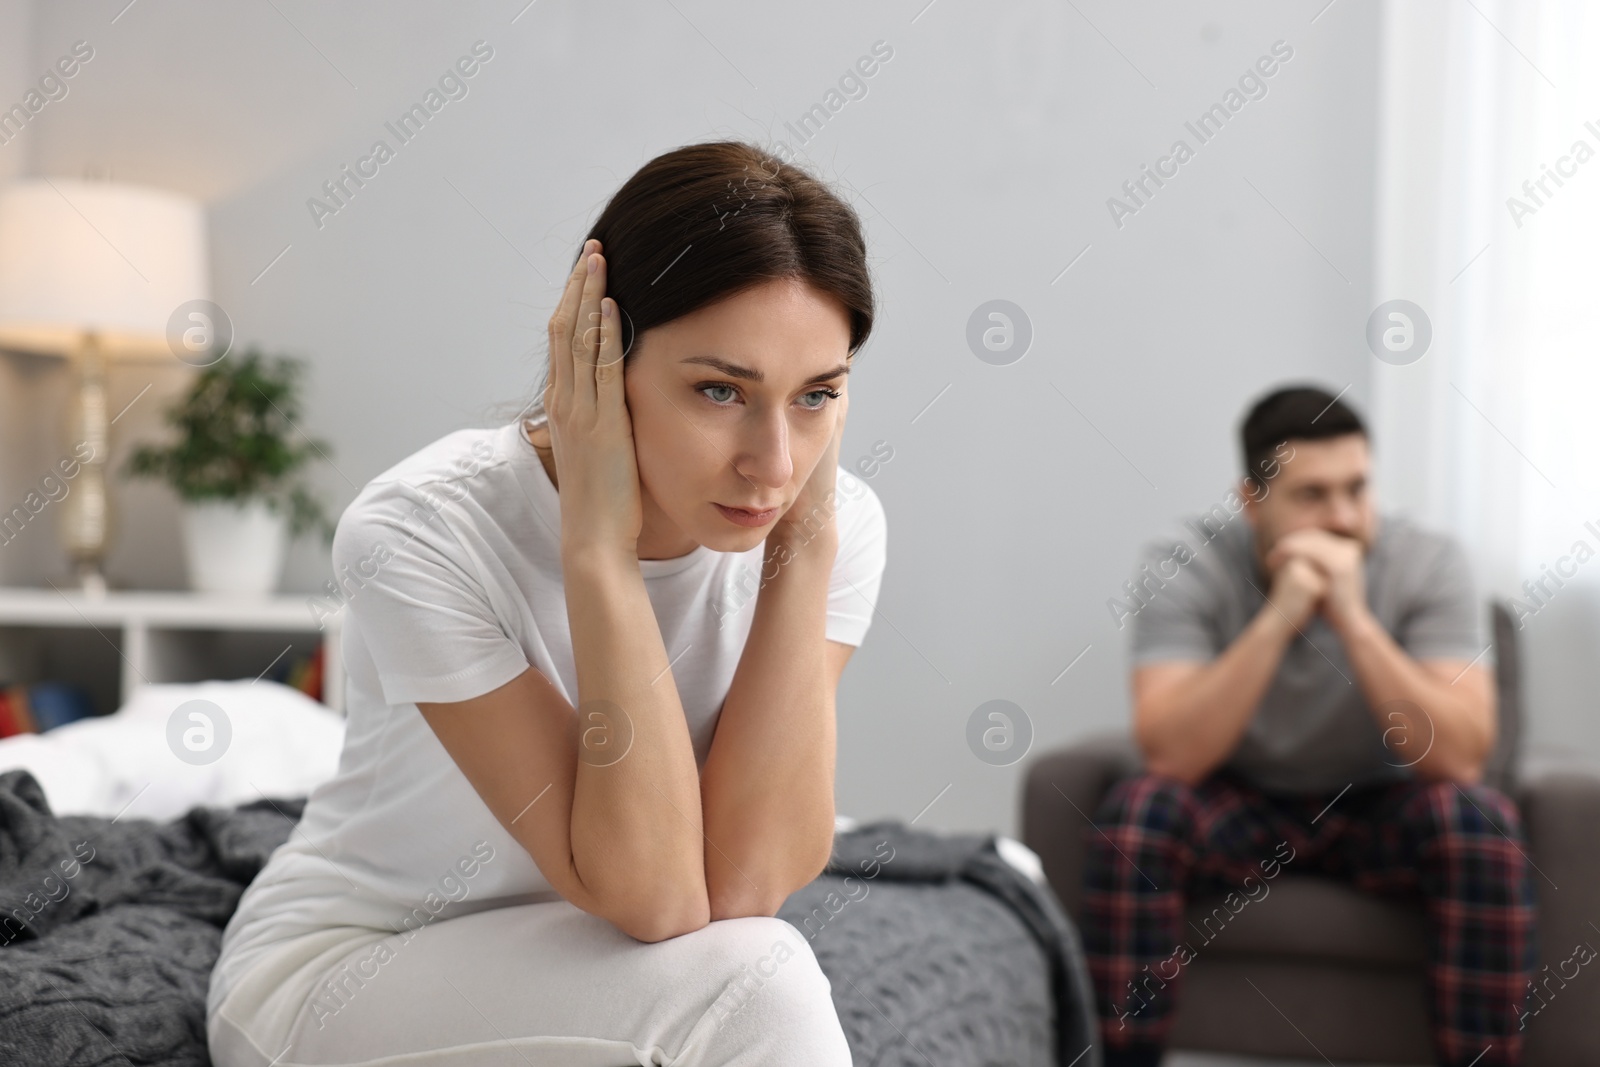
(1304, 412)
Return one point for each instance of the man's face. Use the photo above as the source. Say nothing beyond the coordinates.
(729, 406)
(1322, 485)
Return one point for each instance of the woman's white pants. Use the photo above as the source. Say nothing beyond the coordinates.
(529, 986)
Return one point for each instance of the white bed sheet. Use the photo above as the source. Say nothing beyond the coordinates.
(283, 744)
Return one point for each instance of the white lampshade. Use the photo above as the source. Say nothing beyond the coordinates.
(84, 256)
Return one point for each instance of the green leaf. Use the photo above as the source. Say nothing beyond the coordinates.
(237, 437)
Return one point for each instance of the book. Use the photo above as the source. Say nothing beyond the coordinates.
(41, 706)
(56, 704)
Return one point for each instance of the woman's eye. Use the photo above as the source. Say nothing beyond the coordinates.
(723, 394)
(822, 397)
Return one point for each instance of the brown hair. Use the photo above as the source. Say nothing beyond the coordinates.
(1296, 412)
(707, 221)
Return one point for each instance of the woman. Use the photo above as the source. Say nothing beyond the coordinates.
(585, 762)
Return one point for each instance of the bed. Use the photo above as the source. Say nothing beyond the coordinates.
(118, 873)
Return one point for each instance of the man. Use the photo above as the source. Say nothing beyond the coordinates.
(1310, 696)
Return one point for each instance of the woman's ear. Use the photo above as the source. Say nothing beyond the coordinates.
(628, 334)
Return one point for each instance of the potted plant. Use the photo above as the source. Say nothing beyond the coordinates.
(237, 466)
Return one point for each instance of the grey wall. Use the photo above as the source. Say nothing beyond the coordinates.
(981, 160)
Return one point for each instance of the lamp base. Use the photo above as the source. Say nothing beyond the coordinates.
(86, 519)
(91, 580)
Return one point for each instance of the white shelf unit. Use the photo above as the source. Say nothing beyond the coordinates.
(114, 643)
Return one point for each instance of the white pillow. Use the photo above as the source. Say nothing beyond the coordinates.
(283, 744)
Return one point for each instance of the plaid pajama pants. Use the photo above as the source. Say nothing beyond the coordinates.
(1156, 842)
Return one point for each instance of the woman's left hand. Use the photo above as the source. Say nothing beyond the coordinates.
(817, 497)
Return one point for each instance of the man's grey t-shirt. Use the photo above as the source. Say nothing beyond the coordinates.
(1313, 730)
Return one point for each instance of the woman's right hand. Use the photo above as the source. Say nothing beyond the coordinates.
(591, 432)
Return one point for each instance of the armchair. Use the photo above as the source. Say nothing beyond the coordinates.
(1348, 968)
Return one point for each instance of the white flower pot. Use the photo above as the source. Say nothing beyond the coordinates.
(234, 549)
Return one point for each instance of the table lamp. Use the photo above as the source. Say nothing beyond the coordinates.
(95, 271)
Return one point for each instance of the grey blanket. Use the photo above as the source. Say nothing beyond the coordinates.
(110, 929)
(938, 951)
(941, 953)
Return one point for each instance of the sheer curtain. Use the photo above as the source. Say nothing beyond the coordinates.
(1489, 219)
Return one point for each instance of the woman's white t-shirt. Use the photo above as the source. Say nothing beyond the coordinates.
(448, 567)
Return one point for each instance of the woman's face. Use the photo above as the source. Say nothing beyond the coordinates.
(730, 406)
